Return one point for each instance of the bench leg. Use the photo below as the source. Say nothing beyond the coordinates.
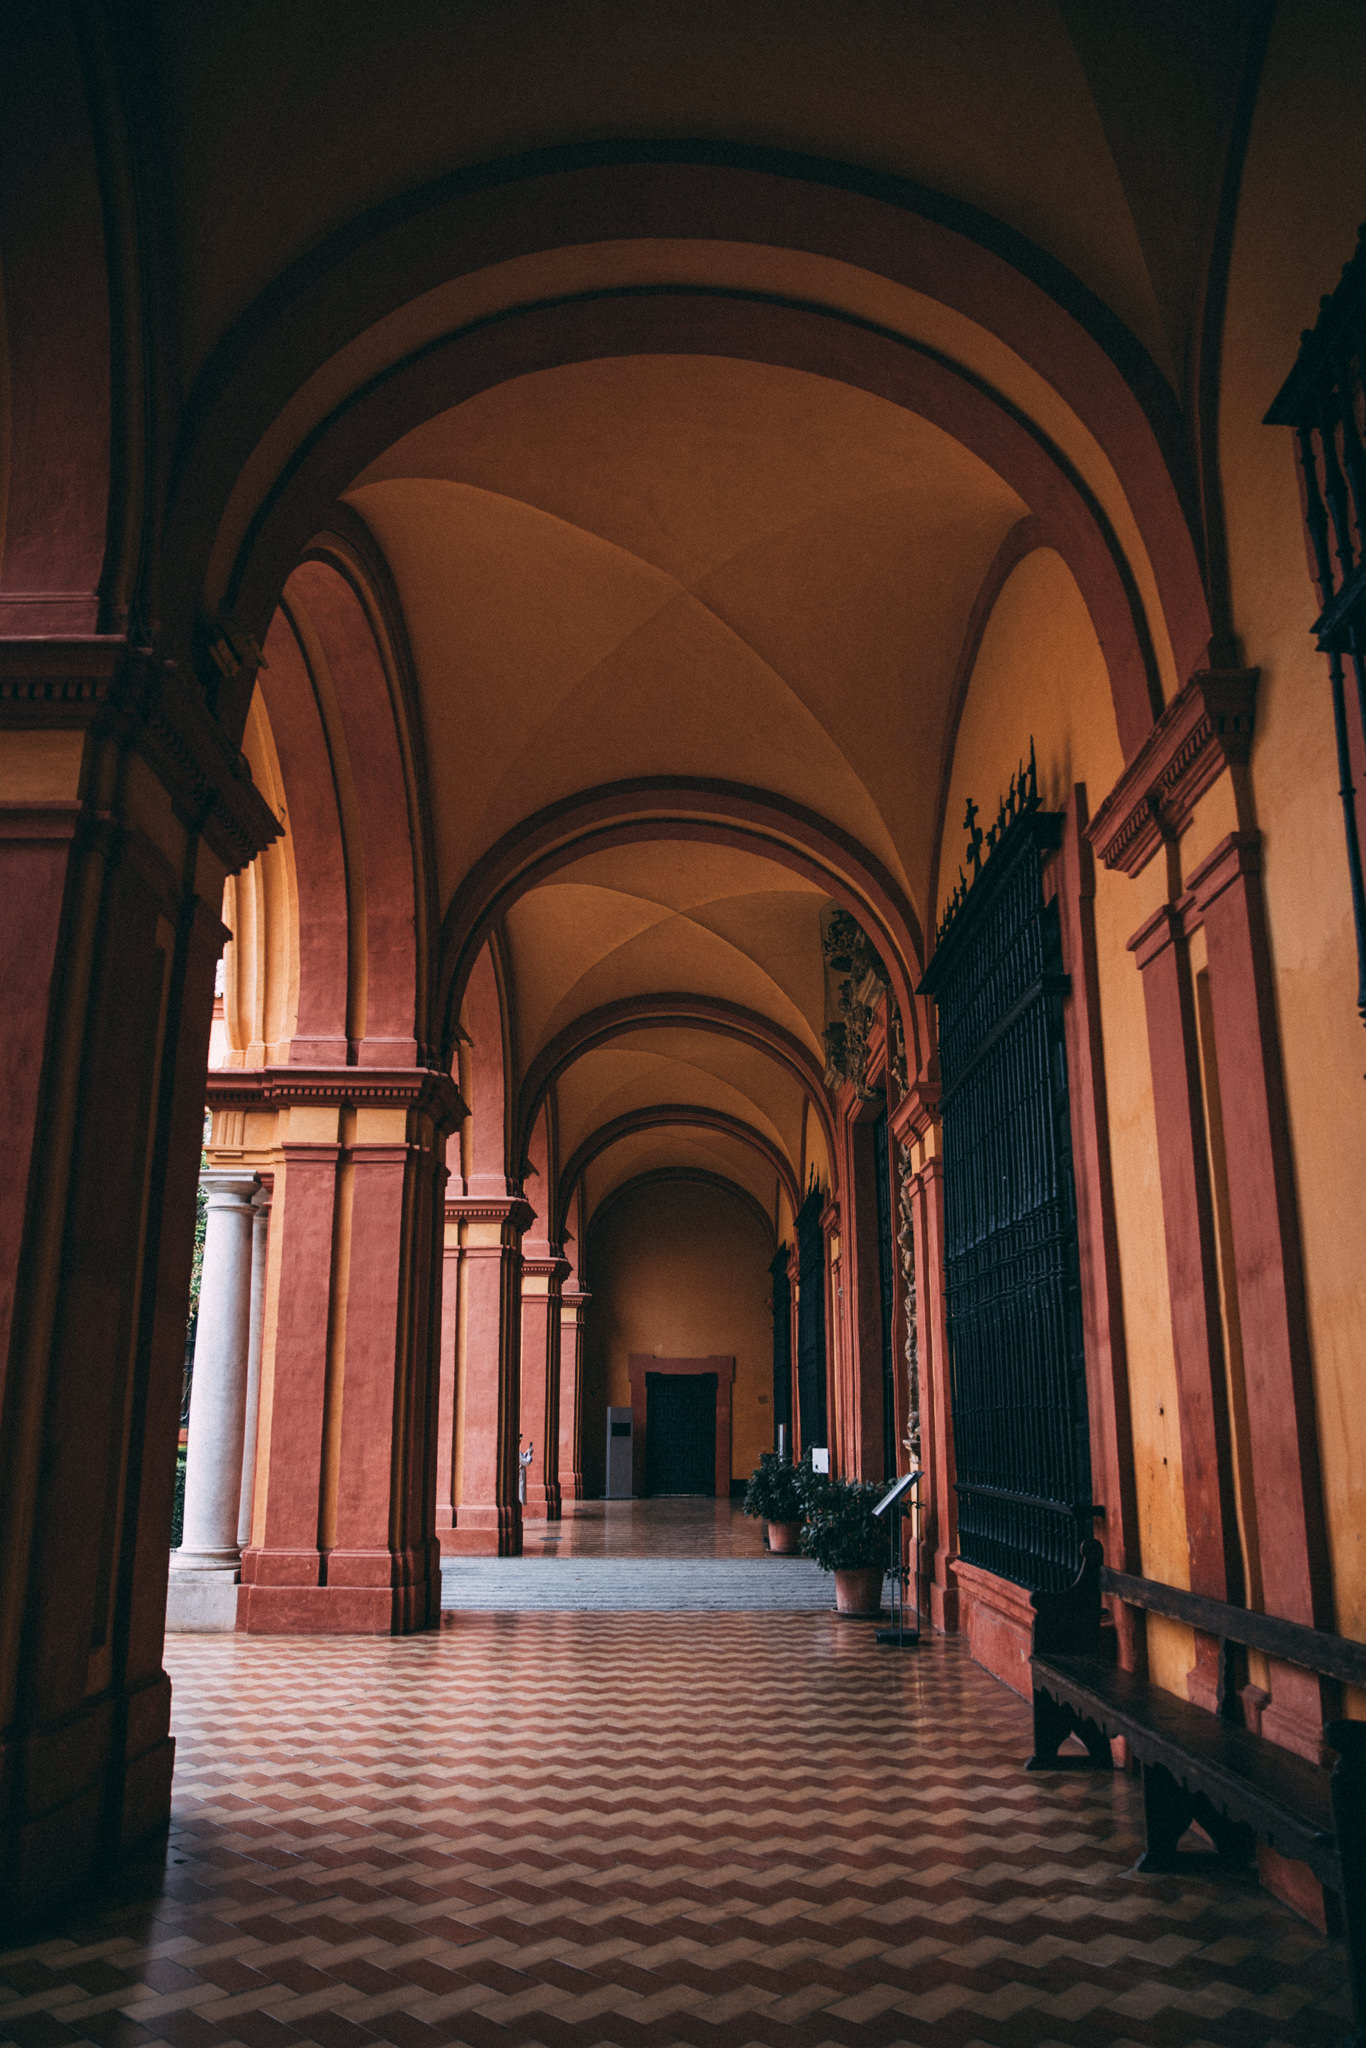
(1053, 1723)
(1168, 1810)
(1348, 1789)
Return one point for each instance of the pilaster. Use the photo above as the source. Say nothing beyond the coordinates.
(543, 1271)
(343, 1525)
(125, 806)
(574, 1302)
(488, 1521)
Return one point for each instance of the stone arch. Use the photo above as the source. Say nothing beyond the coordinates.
(658, 807)
(947, 250)
(691, 1176)
(485, 1028)
(676, 1115)
(338, 729)
(709, 1013)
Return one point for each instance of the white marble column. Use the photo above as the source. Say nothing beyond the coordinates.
(203, 1590)
(260, 1232)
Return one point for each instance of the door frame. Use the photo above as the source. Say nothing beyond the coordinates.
(642, 1362)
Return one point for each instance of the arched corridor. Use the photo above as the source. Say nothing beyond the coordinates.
(683, 694)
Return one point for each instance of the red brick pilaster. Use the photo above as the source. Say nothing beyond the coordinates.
(1268, 1264)
(543, 1272)
(489, 1520)
(574, 1302)
(938, 1469)
(125, 807)
(344, 1528)
(1161, 950)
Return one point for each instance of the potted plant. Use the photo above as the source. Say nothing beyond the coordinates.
(775, 1493)
(844, 1536)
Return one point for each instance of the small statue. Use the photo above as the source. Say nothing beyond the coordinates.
(524, 1459)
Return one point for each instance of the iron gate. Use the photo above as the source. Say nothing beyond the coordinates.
(1018, 1377)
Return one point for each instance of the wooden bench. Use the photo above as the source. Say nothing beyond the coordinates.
(1197, 1766)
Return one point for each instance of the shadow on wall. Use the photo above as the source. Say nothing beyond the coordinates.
(679, 1269)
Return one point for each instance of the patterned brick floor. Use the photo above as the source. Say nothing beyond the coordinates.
(645, 1829)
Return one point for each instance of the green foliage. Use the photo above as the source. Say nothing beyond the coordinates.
(201, 1218)
(775, 1491)
(841, 1531)
(178, 1511)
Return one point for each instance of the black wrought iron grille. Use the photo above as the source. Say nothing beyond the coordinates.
(1324, 400)
(1018, 1381)
(782, 1348)
(811, 1320)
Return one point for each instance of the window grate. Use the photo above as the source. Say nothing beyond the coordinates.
(1018, 1377)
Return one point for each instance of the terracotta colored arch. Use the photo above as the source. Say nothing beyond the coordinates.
(287, 687)
(674, 1115)
(690, 1176)
(330, 619)
(755, 328)
(704, 1013)
(489, 1035)
(890, 227)
(663, 807)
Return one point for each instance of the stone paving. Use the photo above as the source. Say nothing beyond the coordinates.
(641, 1829)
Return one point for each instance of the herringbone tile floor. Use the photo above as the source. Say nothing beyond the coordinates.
(643, 1829)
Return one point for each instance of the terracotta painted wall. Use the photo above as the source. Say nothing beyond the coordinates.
(1303, 199)
(681, 1271)
(1041, 673)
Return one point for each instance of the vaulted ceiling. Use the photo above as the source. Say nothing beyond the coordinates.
(620, 559)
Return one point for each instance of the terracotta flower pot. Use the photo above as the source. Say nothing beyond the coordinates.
(782, 1537)
(859, 1592)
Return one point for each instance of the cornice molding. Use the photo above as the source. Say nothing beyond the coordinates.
(147, 705)
(1205, 729)
(505, 1209)
(422, 1089)
(544, 1269)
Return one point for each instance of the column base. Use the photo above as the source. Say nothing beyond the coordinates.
(484, 1532)
(944, 1612)
(201, 1602)
(340, 1592)
(542, 1504)
(226, 1560)
(331, 1610)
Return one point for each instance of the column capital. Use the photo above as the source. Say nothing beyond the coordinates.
(229, 1188)
(1157, 934)
(510, 1211)
(423, 1091)
(1238, 854)
(549, 1269)
(142, 702)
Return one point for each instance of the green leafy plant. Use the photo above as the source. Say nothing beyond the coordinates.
(840, 1530)
(775, 1490)
(178, 1509)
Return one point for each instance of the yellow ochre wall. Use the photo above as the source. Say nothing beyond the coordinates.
(679, 1269)
(1040, 673)
(1303, 198)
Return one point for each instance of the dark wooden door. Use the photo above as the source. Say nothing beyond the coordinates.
(680, 1432)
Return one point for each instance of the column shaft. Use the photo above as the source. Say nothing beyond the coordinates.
(489, 1519)
(573, 1303)
(260, 1240)
(542, 1274)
